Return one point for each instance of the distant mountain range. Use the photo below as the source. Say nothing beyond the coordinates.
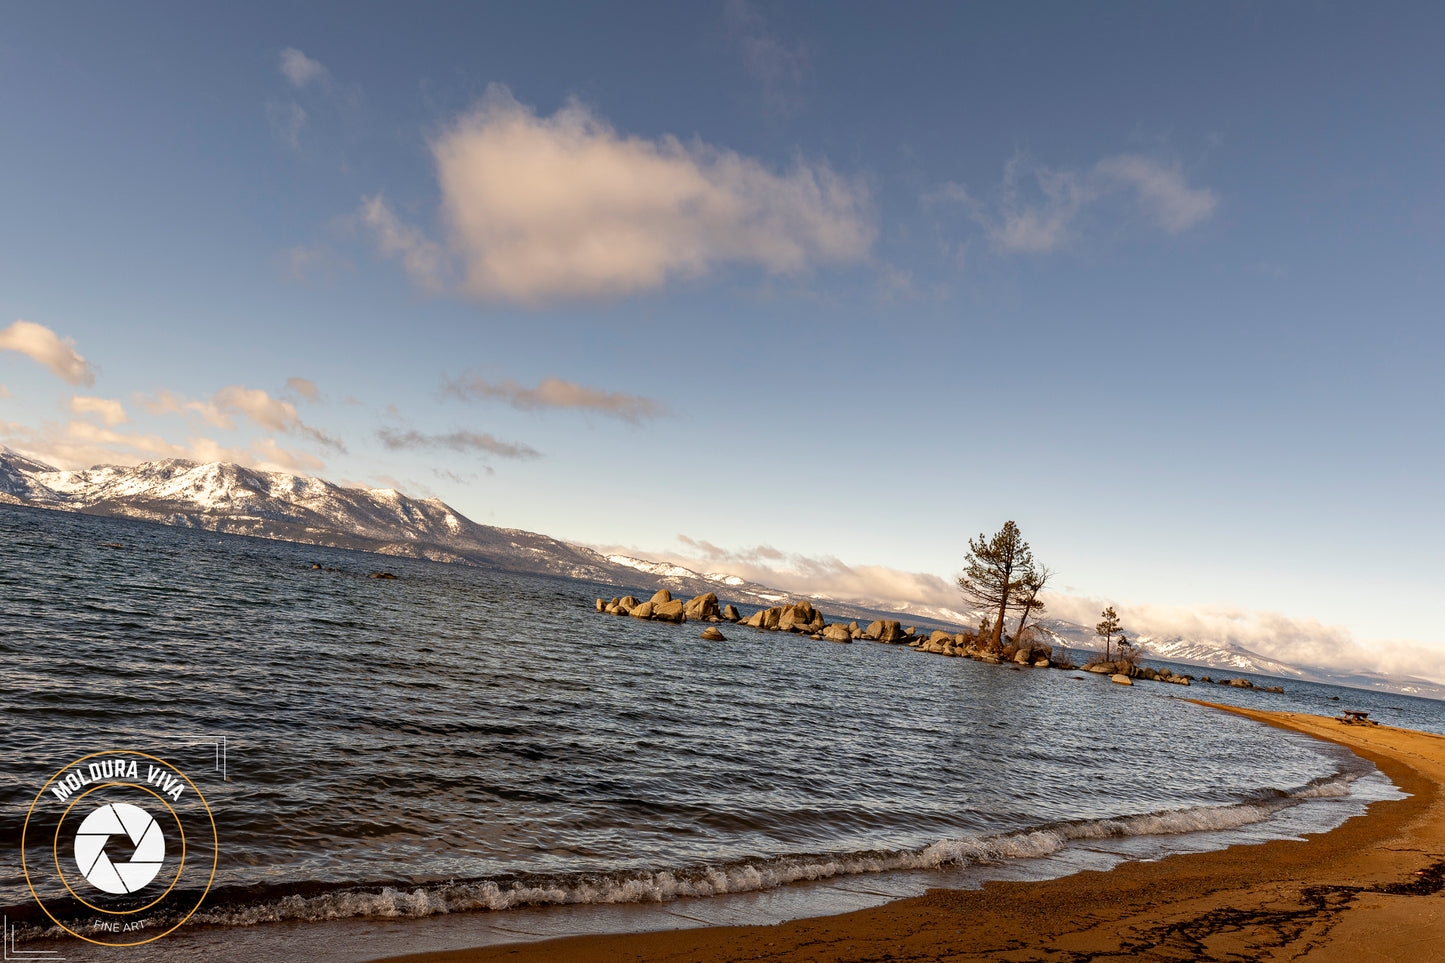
(224, 497)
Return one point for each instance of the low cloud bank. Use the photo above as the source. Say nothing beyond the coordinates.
(1302, 642)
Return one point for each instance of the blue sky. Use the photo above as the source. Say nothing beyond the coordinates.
(813, 292)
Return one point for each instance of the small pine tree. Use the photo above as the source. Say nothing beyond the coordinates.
(1107, 628)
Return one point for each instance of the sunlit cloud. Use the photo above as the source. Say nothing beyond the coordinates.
(1296, 641)
(425, 261)
(77, 444)
(109, 411)
(556, 393)
(546, 208)
(255, 405)
(464, 441)
(44, 346)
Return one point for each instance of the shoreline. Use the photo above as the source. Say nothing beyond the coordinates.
(1368, 890)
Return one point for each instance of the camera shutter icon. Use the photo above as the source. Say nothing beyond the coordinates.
(134, 824)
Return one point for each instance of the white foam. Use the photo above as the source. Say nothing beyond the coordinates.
(668, 885)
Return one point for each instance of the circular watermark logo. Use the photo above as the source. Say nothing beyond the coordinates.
(106, 850)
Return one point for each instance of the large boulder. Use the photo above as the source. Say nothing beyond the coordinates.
(941, 637)
(643, 611)
(1241, 683)
(730, 613)
(889, 631)
(627, 603)
(772, 617)
(601, 606)
(712, 635)
(756, 619)
(1121, 679)
(837, 633)
(797, 618)
(854, 632)
(1102, 668)
(669, 611)
(702, 608)
(662, 595)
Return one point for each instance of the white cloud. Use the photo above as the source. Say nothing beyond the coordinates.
(83, 444)
(40, 344)
(1297, 641)
(1039, 209)
(1162, 189)
(109, 411)
(426, 262)
(301, 70)
(253, 404)
(542, 208)
(781, 70)
(276, 458)
(557, 393)
(817, 575)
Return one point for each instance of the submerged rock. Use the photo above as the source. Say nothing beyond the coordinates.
(1121, 679)
(712, 635)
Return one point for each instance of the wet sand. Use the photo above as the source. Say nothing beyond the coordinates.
(1370, 890)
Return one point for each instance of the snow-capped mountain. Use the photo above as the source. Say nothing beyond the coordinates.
(229, 498)
(224, 497)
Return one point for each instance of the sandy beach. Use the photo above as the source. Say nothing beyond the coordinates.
(1369, 890)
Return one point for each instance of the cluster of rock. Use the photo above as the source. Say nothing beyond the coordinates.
(800, 617)
(1128, 672)
(803, 619)
(662, 607)
(966, 646)
(1242, 684)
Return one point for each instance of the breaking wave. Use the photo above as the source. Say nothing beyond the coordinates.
(405, 900)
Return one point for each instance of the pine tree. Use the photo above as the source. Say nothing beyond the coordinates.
(1029, 603)
(996, 571)
(1107, 628)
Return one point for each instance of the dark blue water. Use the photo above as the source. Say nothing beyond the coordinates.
(458, 739)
